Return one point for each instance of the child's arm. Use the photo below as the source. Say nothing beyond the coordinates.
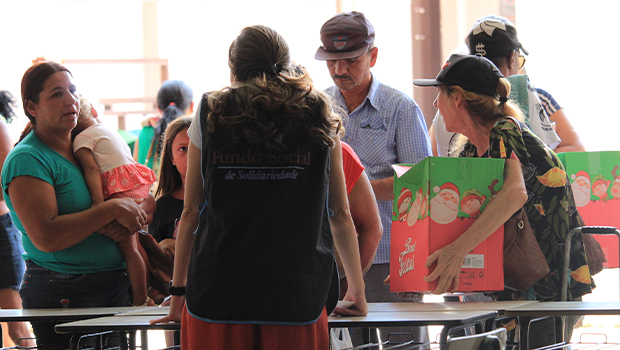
(92, 174)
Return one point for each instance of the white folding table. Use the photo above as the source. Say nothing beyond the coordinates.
(58, 314)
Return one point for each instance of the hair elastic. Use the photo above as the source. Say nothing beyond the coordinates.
(503, 99)
(172, 104)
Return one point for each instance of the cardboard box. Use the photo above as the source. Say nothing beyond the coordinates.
(434, 202)
(595, 180)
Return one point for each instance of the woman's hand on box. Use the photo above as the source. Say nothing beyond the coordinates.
(448, 262)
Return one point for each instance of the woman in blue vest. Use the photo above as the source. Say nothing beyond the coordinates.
(264, 154)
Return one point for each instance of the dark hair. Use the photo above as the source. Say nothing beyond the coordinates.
(173, 99)
(169, 178)
(503, 61)
(27, 129)
(258, 50)
(33, 80)
(7, 106)
(271, 96)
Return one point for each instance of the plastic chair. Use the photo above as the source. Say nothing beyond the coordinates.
(391, 345)
(596, 230)
(493, 340)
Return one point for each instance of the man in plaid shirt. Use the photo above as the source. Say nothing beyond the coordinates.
(384, 126)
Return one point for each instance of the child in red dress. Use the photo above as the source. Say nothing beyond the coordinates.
(111, 172)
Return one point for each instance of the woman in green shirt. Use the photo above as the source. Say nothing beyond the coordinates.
(72, 259)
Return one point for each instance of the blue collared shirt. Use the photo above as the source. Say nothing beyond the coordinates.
(387, 128)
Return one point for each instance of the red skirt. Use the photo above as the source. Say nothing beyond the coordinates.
(132, 180)
(198, 334)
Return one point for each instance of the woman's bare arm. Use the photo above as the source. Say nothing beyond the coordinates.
(34, 201)
(366, 218)
(345, 237)
(567, 133)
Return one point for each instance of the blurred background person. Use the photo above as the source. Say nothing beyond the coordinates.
(174, 99)
(11, 262)
(170, 193)
(495, 38)
(170, 189)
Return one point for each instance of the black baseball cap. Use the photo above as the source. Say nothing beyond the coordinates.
(472, 73)
(493, 37)
(345, 36)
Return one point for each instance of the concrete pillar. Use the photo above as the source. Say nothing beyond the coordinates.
(427, 55)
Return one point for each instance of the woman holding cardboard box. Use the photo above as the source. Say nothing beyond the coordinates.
(473, 98)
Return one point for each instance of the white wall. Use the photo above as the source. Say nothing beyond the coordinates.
(203, 30)
(574, 56)
(457, 18)
(72, 29)
(193, 34)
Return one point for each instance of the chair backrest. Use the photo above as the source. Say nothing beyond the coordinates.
(493, 340)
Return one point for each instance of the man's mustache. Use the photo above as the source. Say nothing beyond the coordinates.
(336, 76)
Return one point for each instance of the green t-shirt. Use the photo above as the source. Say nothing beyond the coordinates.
(144, 145)
(96, 253)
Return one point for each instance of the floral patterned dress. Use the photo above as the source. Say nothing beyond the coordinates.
(550, 207)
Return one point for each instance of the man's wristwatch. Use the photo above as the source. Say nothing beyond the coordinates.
(176, 291)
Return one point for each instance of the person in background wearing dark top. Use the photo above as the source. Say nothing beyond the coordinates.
(72, 259)
(171, 184)
(262, 271)
(170, 191)
(11, 262)
(364, 212)
(174, 99)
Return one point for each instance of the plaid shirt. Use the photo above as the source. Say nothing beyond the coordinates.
(387, 128)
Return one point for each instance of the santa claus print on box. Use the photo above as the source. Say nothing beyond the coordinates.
(595, 181)
(434, 202)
